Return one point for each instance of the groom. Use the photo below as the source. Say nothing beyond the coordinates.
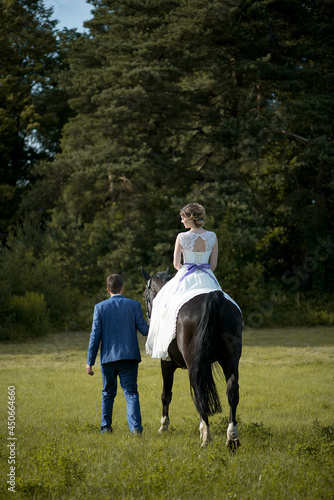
(115, 324)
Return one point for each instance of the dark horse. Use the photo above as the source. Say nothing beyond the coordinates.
(208, 330)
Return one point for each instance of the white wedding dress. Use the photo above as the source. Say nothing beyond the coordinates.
(194, 278)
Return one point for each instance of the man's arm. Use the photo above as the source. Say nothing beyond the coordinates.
(141, 324)
(94, 341)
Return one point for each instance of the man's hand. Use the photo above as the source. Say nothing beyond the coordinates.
(89, 370)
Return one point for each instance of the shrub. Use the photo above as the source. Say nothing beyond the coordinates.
(30, 314)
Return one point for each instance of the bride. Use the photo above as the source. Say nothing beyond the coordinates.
(198, 249)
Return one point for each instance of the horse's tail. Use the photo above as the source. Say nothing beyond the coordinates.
(203, 348)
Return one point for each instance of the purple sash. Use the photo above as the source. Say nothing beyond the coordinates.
(191, 269)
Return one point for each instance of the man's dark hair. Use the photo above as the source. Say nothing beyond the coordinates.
(114, 283)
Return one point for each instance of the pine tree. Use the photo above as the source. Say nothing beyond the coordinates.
(295, 176)
(32, 108)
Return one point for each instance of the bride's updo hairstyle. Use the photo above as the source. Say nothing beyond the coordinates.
(195, 212)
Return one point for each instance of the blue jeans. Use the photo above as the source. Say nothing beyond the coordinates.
(128, 373)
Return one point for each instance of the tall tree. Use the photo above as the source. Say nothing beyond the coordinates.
(294, 178)
(32, 107)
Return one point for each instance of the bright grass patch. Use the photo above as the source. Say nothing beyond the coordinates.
(285, 419)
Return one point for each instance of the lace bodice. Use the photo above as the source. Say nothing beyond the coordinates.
(188, 240)
(195, 251)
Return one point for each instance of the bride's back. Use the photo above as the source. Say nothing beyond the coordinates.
(197, 247)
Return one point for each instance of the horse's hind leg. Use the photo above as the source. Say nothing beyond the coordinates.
(204, 431)
(230, 348)
(230, 369)
(167, 369)
(233, 400)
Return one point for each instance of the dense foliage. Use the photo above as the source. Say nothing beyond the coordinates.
(227, 103)
(33, 107)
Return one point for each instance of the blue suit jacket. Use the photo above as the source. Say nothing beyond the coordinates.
(115, 325)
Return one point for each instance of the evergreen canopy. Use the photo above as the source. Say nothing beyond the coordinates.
(227, 103)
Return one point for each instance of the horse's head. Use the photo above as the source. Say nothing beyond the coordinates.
(153, 286)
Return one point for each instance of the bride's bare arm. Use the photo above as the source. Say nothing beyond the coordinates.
(177, 254)
(214, 257)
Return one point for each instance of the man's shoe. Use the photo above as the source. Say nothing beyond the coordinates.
(137, 433)
(106, 429)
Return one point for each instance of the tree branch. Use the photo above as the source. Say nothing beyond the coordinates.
(297, 136)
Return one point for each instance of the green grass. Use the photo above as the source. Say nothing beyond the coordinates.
(286, 425)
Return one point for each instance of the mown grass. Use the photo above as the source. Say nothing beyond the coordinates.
(286, 426)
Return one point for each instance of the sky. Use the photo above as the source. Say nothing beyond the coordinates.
(70, 13)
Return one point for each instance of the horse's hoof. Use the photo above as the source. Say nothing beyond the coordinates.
(164, 425)
(233, 444)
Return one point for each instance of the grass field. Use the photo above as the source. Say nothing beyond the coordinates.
(286, 426)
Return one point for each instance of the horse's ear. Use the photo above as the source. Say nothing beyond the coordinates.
(146, 276)
(167, 270)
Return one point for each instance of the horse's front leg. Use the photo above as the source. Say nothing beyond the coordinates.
(204, 431)
(167, 369)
